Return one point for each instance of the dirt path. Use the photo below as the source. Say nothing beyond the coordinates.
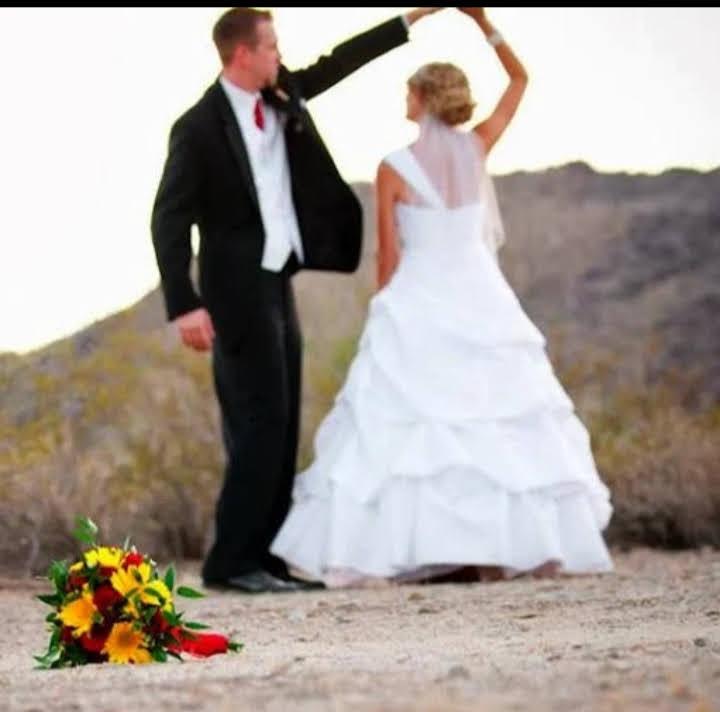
(646, 637)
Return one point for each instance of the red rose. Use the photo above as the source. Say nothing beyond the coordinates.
(107, 571)
(132, 559)
(158, 623)
(95, 640)
(176, 633)
(93, 644)
(105, 597)
(75, 581)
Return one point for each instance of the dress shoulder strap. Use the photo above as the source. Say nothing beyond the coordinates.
(407, 166)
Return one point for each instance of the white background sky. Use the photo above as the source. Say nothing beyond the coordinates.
(88, 97)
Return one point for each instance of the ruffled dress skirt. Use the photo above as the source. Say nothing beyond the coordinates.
(451, 443)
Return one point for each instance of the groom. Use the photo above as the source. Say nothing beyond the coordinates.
(248, 167)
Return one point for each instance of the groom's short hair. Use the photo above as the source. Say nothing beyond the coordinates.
(237, 26)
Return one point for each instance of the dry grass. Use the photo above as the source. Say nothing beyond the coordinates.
(129, 435)
(656, 442)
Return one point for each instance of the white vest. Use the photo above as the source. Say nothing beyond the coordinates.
(271, 173)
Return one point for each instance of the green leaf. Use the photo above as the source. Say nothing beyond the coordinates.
(75, 655)
(134, 598)
(192, 625)
(43, 664)
(172, 618)
(51, 599)
(154, 592)
(175, 655)
(58, 574)
(188, 592)
(49, 660)
(54, 641)
(85, 531)
(235, 647)
(93, 576)
(170, 577)
(159, 655)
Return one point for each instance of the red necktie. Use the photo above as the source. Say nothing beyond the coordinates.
(259, 116)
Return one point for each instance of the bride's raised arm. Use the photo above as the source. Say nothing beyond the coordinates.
(493, 127)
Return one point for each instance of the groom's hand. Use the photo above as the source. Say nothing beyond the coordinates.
(414, 15)
(196, 329)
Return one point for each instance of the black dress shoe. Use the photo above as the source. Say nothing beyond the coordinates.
(279, 569)
(303, 584)
(258, 581)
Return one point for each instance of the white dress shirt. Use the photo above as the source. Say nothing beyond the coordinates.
(271, 173)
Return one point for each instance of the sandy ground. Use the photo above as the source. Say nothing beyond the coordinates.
(646, 637)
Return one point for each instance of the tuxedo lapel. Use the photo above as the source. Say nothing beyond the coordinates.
(235, 139)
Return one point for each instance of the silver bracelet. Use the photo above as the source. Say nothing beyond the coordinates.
(495, 38)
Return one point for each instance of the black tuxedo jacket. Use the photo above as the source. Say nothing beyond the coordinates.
(207, 181)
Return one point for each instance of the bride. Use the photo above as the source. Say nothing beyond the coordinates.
(452, 446)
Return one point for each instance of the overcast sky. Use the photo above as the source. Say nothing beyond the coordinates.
(89, 96)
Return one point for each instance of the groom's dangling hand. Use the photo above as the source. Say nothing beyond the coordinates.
(196, 329)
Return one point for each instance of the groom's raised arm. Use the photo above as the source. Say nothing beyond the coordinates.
(354, 53)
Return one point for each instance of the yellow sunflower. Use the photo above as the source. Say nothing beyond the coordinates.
(108, 556)
(132, 580)
(158, 586)
(125, 645)
(79, 614)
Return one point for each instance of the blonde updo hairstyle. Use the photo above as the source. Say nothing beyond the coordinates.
(444, 91)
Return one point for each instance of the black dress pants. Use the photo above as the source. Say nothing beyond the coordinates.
(258, 388)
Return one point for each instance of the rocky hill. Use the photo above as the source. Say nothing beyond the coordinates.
(621, 272)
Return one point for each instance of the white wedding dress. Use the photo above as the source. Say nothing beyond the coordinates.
(451, 442)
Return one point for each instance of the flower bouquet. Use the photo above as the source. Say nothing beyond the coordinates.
(112, 606)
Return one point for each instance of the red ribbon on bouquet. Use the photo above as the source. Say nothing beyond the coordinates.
(201, 645)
